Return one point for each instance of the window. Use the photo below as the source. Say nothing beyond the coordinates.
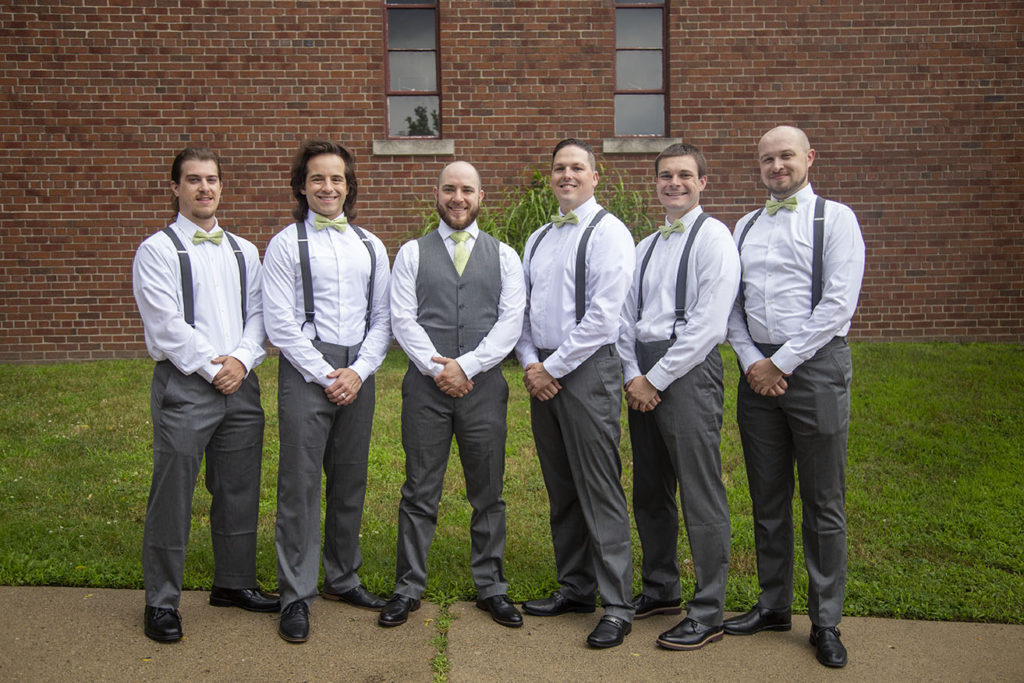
(413, 95)
(640, 90)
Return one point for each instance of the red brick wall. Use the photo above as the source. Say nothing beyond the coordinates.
(913, 108)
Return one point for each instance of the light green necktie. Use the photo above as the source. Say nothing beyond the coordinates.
(772, 206)
(322, 222)
(216, 236)
(461, 250)
(559, 221)
(674, 226)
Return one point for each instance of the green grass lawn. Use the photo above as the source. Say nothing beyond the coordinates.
(935, 484)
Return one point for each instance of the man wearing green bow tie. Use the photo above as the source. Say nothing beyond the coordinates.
(577, 272)
(802, 263)
(674, 319)
(198, 292)
(326, 292)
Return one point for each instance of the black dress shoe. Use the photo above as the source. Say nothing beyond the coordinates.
(294, 626)
(357, 597)
(647, 606)
(502, 610)
(555, 605)
(163, 625)
(252, 599)
(758, 619)
(689, 635)
(609, 632)
(830, 650)
(396, 611)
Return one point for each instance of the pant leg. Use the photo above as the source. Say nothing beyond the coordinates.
(768, 454)
(234, 459)
(654, 507)
(186, 411)
(574, 562)
(588, 409)
(690, 421)
(345, 464)
(480, 427)
(427, 428)
(818, 406)
(304, 421)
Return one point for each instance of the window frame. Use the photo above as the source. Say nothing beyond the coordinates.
(389, 93)
(663, 6)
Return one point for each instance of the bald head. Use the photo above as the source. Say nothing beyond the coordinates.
(458, 194)
(791, 134)
(460, 169)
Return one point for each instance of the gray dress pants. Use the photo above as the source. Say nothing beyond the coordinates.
(807, 425)
(677, 443)
(191, 418)
(478, 422)
(317, 435)
(577, 438)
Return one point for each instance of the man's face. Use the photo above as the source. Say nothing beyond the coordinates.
(198, 191)
(679, 185)
(572, 177)
(784, 160)
(458, 196)
(325, 187)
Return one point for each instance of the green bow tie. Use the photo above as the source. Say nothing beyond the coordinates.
(772, 206)
(674, 226)
(323, 222)
(461, 257)
(559, 221)
(216, 236)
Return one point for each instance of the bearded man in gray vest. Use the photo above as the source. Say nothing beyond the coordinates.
(802, 262)
(457, 301)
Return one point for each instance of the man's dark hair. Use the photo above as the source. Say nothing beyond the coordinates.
(573, 142)
(681, 149)
(300, 170)
(191, 154)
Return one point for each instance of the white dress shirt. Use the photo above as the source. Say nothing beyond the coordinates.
(340, 266)
(495, 346)
(712, 281)
(776, 262)
(550, 321)
(219, 330)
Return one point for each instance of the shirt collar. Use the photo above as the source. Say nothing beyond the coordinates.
(584, 211)
(689, 217)
(805, 195)
(188, 228)
(446, 230)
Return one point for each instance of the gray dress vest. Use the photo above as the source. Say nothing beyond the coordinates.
(457, 312)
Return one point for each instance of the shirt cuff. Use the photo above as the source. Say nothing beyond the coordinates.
(659, 378)
(786, 360)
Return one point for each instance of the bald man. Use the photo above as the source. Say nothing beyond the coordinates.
(457, 302)
(802, 261)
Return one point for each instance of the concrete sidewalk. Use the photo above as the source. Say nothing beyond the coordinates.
(96, 634)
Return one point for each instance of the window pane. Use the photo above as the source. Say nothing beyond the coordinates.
(638, 28)
(411, 29)
(638, 70)
(412, 71)
(413, 116)
(639, 114)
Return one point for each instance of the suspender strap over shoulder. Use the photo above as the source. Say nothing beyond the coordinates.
(681, 275)
(307, 276)
(187, 291)
(581, 261)
(817, 255)
(187, 295)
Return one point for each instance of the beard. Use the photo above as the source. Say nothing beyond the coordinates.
(458, 224)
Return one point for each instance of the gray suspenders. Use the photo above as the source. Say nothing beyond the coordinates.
(684, 266)
(817, 256)
(307, 276)
(187, 293)
(581, 262)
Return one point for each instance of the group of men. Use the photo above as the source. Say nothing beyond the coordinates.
(586, 313)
